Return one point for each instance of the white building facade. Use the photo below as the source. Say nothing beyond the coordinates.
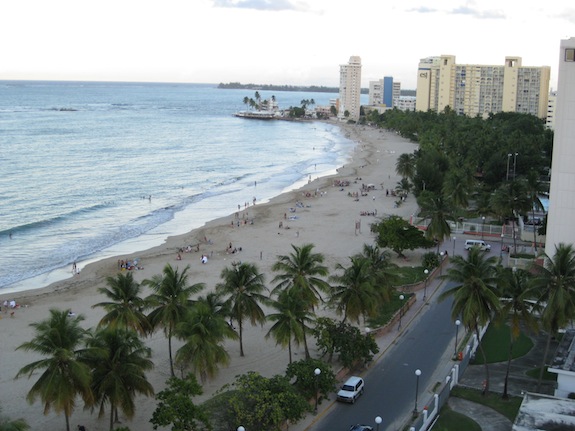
(350, 89)
(562, 191)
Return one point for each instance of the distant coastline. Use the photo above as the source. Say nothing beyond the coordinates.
(271, 87)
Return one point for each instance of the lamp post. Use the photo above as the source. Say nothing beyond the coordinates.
(401, 298)
(514, 164)
(425, 285)
(453, 252)
(317, 372)
(378, 420)
(417, 374)
(483, 227)
(241, 428)
(442, 255)
(501, 250)
(508, 157)
(457, 323)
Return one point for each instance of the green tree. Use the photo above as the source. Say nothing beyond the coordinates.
(398, 235)
(307, 382)
(555, 282)
(509, 200)
(516, 308)
(119, 361)
(434, 207)
(534, 190)
(301, 271)
(125, 308)
(457, 187)
(59, 339)
(203, 333)
(474, 294)
(354, 294)
(383, 270)
(287, 327)
(7, 424)
(243, 285)
(170, 301)
(261, 403)
(176, 408)
(405, 165)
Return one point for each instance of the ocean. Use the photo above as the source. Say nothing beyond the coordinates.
(92, 170)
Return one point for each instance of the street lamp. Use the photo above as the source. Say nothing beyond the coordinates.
(508, 157)
(514, 163)
(501, 250)
(483, 227)
(453, 252)
(417, 374)
(241, 428)
(442, 254)
(378, 420)
(457, 323)
(401, 298)
(425, 285)
(317, 372)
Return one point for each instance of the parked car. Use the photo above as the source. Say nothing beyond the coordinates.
(483, 246)
(351, 389)
(359, 427)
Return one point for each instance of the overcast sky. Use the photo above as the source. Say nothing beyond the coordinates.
(297, 42)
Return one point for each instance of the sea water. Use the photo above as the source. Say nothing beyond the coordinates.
(92, 170)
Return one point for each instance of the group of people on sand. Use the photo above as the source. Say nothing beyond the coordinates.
(129, 264)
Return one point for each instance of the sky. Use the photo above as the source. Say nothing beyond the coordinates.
(293, 42)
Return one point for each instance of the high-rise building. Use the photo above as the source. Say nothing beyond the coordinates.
(350, 89)
(562, 191)
(473, 90)
(384, 92)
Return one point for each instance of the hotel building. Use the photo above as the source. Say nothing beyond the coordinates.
(350, 89)
(474, 90)
(561, 213)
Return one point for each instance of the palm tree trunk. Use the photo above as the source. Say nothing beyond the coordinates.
(534, 230)
(547, 344)
(111, 417)
(486, 383)
(170, 350)
(241, 338)
(514, 235)
(67, 421)
(289, 349)
(307, 356)
(505, 394)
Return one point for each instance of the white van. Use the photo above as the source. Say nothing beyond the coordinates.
(483, 246)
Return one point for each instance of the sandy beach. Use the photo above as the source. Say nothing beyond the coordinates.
(320, 213)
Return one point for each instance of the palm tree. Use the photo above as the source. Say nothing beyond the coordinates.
(555, 283)
(435, 208)
(534, 189)
(59, 339)
(516, 308)
(125, 310)
(203, 333)
(170, 300)
(509, 200)
(300, 271)
(354, 295)
(291, 311)
(457, 187)
(474, 295)
(405, 165)
(246, 101)
(7, 424)
(383, 270)
(119, 365)
(243, 285)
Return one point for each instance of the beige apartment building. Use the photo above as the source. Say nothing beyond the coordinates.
(474, 90)
(350, 89)
(562, 191)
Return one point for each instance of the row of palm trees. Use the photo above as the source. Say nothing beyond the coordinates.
(106, 366)
(540, 298)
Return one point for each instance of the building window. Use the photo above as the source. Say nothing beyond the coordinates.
(570, 54)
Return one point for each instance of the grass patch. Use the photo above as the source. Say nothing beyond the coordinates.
(450, 420)
(534, 373)
(409, 275)
(388, 310)
(496, 342)
(508, 408)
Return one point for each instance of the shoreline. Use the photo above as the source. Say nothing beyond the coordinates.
(328, 217)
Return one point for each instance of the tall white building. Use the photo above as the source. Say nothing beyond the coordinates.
(350, 89)
(561, 213)
(473, 89)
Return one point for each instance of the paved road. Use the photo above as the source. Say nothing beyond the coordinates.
(391, 383)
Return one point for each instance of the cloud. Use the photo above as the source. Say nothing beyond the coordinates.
(476, 13)
(269, 5)
(567, 14)
(423, 9)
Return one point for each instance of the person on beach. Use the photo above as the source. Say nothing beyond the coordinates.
(179, 256)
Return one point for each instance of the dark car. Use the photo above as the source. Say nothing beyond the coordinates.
(359, 427)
